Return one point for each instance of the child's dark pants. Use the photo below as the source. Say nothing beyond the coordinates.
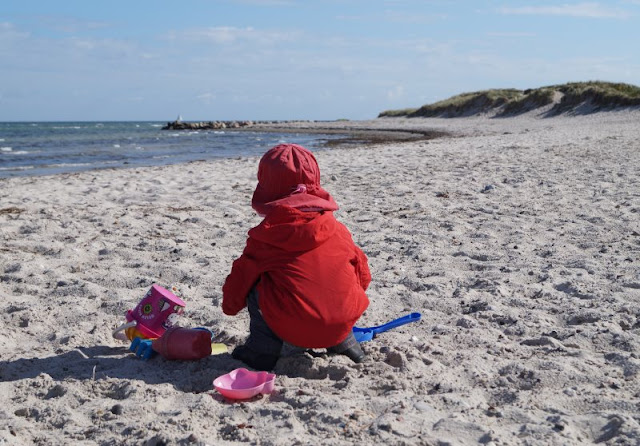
(262, 348)
(261, 338)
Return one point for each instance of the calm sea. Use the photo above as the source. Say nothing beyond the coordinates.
(42, 148)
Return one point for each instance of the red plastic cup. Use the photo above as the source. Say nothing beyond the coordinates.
(183, 343)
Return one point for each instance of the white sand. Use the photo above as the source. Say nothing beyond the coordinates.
(518, 240)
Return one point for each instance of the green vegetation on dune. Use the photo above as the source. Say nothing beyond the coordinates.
(575, 97)
(597, 94)
(528, 100)
(397, 113)
(468, 103)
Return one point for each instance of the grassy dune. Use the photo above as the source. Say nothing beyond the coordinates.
(574, 97)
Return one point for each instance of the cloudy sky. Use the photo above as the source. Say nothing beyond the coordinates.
(296, 59)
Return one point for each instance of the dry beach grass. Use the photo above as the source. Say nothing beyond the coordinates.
(517, 239)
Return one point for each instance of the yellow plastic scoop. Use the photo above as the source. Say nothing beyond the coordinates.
(217, 349)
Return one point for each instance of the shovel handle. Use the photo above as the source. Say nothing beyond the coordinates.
(413, 317)
(364, 334)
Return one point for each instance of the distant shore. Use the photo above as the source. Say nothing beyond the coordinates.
(355, 132)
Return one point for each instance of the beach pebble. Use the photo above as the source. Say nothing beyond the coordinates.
(117, 409)
(56, 391)
(466, 322)
(584, 317)
(542, 341)
(423, 407)
(488, 188)
(12, 268)
(440, 329)
(157, 440)
(395, 359)
(22, 412)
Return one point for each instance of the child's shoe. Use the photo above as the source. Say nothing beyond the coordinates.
(253, 359)
(350, 348)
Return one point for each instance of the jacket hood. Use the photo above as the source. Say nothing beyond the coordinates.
(293, 230)
(289, 175)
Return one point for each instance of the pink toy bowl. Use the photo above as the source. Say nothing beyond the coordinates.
(242, 384)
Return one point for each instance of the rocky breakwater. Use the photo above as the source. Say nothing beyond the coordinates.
(206, 125)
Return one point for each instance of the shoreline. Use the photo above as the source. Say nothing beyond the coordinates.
(352, 136)
(517, 240)
(325, 137)
(375, 132)
(352, 131)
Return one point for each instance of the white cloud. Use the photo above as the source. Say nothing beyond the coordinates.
(206, 98)
(84, 44)
(396, 92)
(267, 2)
(405, 17)
(390, 16)
(108, 49)
(69, 25)
(431, 47)
(588, 10)
(514, 34)
(229, 35)
(9, 32)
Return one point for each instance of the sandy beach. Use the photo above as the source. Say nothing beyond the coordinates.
(518, 240)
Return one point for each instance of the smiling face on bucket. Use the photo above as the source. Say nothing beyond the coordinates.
(157, 311)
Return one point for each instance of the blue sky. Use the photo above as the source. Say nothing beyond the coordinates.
(296, 59)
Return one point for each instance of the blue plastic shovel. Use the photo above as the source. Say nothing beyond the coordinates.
(367, 334)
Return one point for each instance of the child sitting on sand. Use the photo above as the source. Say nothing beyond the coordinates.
(301, 276)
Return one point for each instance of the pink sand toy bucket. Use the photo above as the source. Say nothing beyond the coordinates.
(155, 313)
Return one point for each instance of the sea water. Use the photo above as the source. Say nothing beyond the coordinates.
(42, 148)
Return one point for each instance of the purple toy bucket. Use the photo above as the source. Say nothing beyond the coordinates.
(152, 314)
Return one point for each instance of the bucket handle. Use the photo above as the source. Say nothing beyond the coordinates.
(116, 333)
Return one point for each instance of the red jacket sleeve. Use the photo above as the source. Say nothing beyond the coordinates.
(360, 262)
(362, 269)
(244, 274)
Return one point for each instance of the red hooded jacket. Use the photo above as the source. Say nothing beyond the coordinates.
(310, 276)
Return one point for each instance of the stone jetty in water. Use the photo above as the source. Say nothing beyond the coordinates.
(207, 125)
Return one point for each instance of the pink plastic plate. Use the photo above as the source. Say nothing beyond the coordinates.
(242, 384)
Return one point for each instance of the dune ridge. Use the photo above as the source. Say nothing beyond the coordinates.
(573, 98)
